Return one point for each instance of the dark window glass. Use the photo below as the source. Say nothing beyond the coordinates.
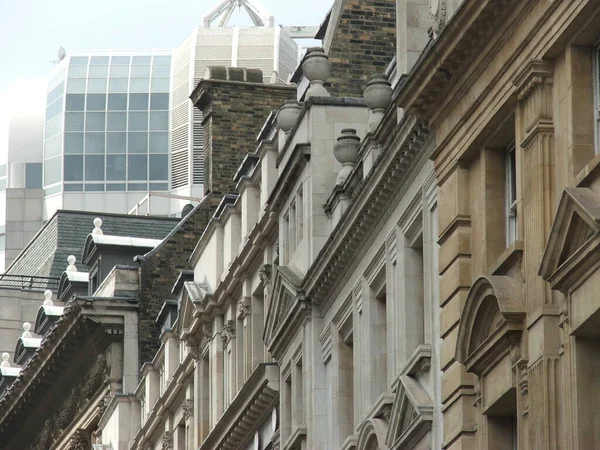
(116, 167)
(96, 102)
(94, 167)
(94, 142)
(95, 121)
(137, 186)
(78, 61)
(33, 175)
(142, 59)
(159, 102)
(137, 167)
(115, 186)
(138, 102)
(121, 59)
(73, 143)
(117, 102)
(140, 71)
(138, 143)
(75, 102)
(158, 167)
(94, 187)
(117, 121)
(101, 60)
(159, 186)
(74, 168)
(159, 121)
(138, 121)
(73, 187)
(162, 60)
(74, 121)
(116, 142)
(159, 142)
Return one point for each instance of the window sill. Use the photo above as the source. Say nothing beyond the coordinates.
(506, 260)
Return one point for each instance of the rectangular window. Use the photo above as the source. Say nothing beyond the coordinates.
(158, 167)
(73, 143)
(97, 85)
(118, 85)
(121, 60)
(138, 121)
(511, 196)
(116, 167)
(33, 175)
(95, 121)
(160, 85)
(138, 102)
(119, 71)
(75, 102)
(120, 187)
(53, 146)
(159, 142)
(116, 142)
(98, 72)
(96, 102)
(94, 168)
(52, 171)
(117, 102)
(138, 143)
(159, 102)
(74, 168)
(74, 121)
(140, 71)
(117, 121)
(76, 86)
(94, 143)
(137, 167)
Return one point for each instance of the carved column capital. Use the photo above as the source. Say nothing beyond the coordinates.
(244, 308)
(228, 332)
(534, 91)
(193, 345)
(167, 440)
(265, 274)
(188, 408)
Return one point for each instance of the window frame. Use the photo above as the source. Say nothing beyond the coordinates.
(510, 192)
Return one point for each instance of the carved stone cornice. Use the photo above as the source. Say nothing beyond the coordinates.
(79, 440)
(534, 91)
(228, 332)
(244, 308)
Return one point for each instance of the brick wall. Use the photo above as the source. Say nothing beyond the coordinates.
(364, 43)
(234, 113)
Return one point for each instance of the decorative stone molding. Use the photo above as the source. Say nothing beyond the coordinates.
(265, 272)
(79, 440)
(316, 68)
(207, 330)
(167, 441)
(534, 87)
(188, 408)
(193, 345)
(228, 332)
(438, 11)
(244, 308)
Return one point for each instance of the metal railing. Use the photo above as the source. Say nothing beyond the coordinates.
(28, 282)
(145, 201)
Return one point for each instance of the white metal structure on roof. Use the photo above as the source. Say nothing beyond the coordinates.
(259, 15)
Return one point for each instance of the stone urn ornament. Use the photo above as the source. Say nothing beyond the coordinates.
(346, 152)
(378, 96)
(288, 115)
(316, 68)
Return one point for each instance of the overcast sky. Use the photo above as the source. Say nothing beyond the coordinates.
(31, 31)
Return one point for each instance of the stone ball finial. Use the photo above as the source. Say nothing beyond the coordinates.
(26, 328)
(288, 115)
(316, 68)
(378, 97)
(97, 226)
(48, 298)
(346, 152)
(5, 358)
(71, 260)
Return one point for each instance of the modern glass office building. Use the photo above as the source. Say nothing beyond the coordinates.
(107, 124)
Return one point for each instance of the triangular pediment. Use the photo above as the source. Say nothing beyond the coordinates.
(286, 292)
(412, 414)
(573, 235)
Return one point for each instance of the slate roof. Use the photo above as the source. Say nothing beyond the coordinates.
(66, 232)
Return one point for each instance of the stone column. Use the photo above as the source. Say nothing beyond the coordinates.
(535, 139)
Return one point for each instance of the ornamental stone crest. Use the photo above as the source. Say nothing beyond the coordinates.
(228, 332)
(265, 274)
(193, 346)
(244, 307)
(438, 12)
(188, 408)
(207, 330)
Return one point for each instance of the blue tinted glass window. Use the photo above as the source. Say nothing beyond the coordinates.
(94, 142)
(54, 109)
(52, 170)
(96, 85)
(159, 121)
(159, 186)
(75, 102)
(78, 72)
(76, 86)
(94, 187)
(95, 121)
(161, 71)
(138, 102)
(142, 60)
(162, 60)
(138, 143)
(116, 167)
(74, 121)
(159, 142)
(160, 85)
(158, 167)
(117, 102)
(53, 146)
(121, 59)
(137, 186)
(117, 121)
(159, 102)
(115, 186)
(53, 126)
(94, 167)
(137, 167)
(74, 168)
(116, 142)
(73, 143)
(119, 71)
(76, 187)
(78, 61)
(102, 60)
(138, 121)
(55, 93)
(140, 71)
(33, 175)
(96, 102)
(118, 85)
(98, 71)
(139, 84)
